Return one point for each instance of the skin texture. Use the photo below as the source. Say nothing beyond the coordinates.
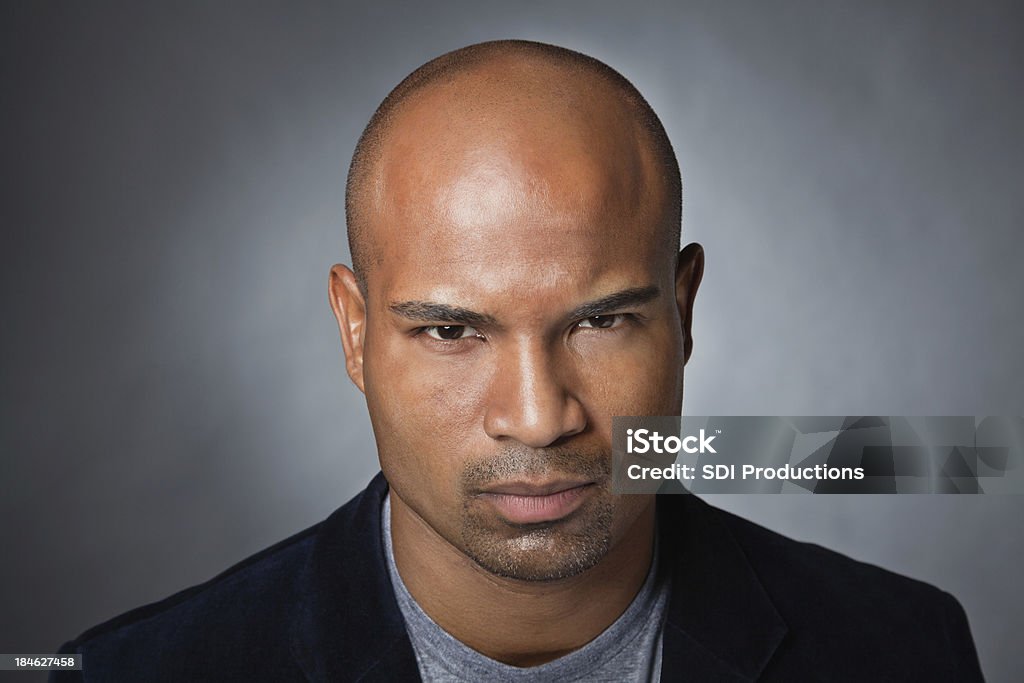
(507, 208)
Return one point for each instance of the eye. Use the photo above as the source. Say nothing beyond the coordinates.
(450, 332)
(602, 322)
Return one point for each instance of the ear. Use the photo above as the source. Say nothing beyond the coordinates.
(350, 310)
(689, 272)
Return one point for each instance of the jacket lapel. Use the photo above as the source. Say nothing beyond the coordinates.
(347, 625)
(721, 624)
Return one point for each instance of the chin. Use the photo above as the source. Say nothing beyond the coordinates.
(549, 552)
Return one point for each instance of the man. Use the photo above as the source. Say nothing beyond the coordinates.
(513, 213)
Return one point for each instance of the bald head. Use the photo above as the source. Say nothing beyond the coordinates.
(513, 212)
(478, 132)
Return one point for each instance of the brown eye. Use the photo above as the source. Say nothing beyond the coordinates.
(600, 322)
(450, 332)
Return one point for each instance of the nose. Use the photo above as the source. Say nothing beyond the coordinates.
(531, 400)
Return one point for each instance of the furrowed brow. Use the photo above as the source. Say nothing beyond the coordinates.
(430, 312)
(608, 304)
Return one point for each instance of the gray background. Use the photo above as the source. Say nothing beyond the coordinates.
(173, 391)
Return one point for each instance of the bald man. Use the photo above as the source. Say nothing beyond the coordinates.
(513, 213)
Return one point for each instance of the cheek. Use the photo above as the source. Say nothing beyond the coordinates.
(642, 377)
(425, 414)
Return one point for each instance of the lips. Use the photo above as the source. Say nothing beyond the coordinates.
(527, 503)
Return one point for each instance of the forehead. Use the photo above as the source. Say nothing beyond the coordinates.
(513, 190)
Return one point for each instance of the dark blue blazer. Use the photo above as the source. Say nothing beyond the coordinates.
(747, 604)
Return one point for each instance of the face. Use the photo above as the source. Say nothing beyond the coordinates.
(522, 294)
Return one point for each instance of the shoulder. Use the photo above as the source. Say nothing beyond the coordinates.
(839, 609)
(795, 570)
(242, 624)
(241, 611)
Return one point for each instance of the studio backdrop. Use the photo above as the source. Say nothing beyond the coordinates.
(173, 394)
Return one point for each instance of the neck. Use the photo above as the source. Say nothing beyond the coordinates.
(539, 620)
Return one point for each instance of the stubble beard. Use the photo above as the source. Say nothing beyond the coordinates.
(544, 551)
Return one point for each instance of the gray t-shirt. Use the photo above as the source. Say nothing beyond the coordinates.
(628, 650)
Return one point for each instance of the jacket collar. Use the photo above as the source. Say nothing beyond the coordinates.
(347, 626)
(721, 624)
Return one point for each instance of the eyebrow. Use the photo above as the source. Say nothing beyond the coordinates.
(429, 311)
(633, 296)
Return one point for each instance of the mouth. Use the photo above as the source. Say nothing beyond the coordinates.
(528, 503)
